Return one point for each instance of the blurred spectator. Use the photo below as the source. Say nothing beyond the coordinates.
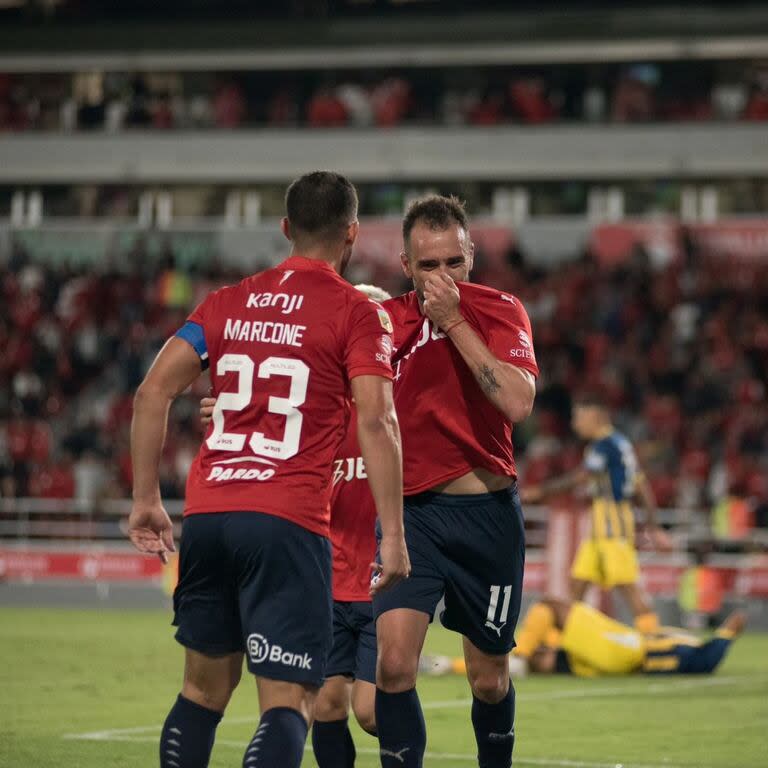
(326, 110)
(634, 95)
(90, 102)
(138, 114)
(668, 91)
(391, 101)
(757, 106)
(357, 103)
(229, 107)
(530, 102)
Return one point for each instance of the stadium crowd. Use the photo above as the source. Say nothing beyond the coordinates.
(678, 353)
(636, 93)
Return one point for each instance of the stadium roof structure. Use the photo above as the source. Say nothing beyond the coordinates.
(573, 34)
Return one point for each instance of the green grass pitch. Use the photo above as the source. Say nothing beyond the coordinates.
(90, 690)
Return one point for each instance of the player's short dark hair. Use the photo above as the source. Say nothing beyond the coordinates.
(589, 399)
(438, 212)
(320, 205)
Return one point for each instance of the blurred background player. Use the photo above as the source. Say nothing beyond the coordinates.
(351, 670)
(608, 558)
(255, 563)
(464, 374)
(560, 636)
(573, 637)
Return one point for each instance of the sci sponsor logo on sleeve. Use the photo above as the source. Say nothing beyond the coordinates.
(385, 345)
(524, 351)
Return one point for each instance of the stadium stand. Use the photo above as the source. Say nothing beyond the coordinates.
(615, 168)
(595, 93)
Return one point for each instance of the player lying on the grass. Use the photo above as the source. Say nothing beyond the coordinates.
(287, 347)
(559, 636)
(608, 558)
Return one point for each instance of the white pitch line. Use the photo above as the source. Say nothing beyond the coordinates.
(580, 693)
(599, 692)
(543, 762)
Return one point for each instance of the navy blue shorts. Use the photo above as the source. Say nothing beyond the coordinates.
(471, 551)
(257, 583)
(354, 641)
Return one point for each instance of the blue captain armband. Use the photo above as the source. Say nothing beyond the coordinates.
(193, 334)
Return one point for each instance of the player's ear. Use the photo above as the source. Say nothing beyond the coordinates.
(353, 230)
(471, 257)
(285, 227)
(405, 263)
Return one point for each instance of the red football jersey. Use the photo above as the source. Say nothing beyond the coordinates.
(448, 425)
(283, 346)
(353, 521)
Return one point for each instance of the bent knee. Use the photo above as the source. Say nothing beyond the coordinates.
(329, 709)
(366, 719)
(396, 670)
(214, 697)
(490, 686)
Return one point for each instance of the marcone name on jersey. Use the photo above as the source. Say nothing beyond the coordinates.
(266, 332)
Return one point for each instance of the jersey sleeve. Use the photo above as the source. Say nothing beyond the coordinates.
(507, 329)
(193, 332)
(369, 341)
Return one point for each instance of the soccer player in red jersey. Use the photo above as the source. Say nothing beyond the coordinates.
(351, 668)
(465, 372)
(353, 653)
(287, 348)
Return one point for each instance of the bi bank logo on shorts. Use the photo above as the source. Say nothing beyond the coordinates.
(261, 650)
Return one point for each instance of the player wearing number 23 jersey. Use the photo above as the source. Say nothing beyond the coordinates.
(281, 364)
(279, 358)
(288, 349)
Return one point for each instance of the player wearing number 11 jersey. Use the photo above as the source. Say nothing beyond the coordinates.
(287, 349)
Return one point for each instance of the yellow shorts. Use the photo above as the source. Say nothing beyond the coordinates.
(606, 562)
(598, 645)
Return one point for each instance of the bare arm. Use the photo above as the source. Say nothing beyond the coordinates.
(644, 493)
(536, 493)
(659, 539)
(509, 388)
(379, 436)
(175, 368)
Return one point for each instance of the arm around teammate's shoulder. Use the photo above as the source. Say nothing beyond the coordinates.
(379, 436)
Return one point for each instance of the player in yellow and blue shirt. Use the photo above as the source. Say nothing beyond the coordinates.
(560, 636)
(574, 638)
(608, 558)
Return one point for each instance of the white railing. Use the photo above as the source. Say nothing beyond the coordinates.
(28, 520)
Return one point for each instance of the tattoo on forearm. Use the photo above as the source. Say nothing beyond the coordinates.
(488, 381)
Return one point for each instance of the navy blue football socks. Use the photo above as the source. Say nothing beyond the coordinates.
(333, 745)
(278, 741)
(402, 733)
(187, 737)
(495, 730)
